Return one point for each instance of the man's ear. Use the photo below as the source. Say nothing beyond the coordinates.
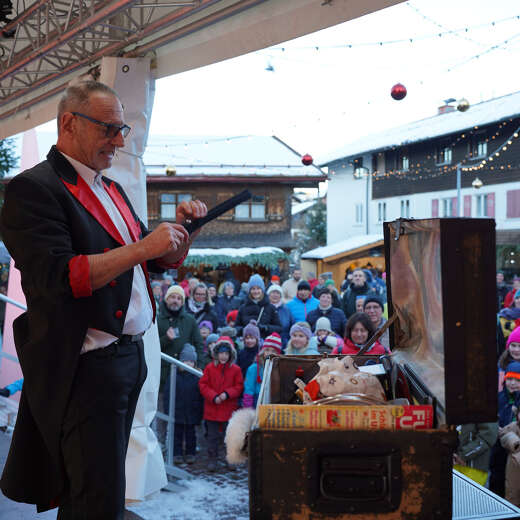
(67, 123)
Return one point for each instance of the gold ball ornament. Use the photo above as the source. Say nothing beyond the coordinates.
(463, 105)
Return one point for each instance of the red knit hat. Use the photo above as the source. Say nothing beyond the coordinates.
(275, 278)
(273, 341)
(232, 315)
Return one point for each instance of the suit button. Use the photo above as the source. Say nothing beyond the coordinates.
(106, 250)
(113, 283)
(119, 314)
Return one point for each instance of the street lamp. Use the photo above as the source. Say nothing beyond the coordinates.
(359, 173)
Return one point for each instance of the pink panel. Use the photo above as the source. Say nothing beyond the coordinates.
(10, 370)
(435, 207)
(454, 208)
(513, 204)
(467, 205)
(491, 205)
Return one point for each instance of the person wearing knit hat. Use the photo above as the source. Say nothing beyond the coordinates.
(510, 354)
(272, 347)
(205, 328)
(157, 291)
(175, 289)
(303, 303)
(326, 309)
(275, 295)
(257, 307)
(275, 279)
(299, 342)
(325, 340)
(188, 408)
(510, 296)
(251, 342)
(221, 385)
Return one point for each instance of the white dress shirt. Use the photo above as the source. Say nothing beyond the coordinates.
(140, 313)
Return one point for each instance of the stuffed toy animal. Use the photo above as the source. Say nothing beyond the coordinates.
(341, 376)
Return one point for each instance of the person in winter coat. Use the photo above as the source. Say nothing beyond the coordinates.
(510, 296)
(374, 308)
(209, 343)
(502, 289)
(15, 386)
(226, 302)
(358, 331)
(510, 439)
(508, 403)
(303, 303)
(325, 340)
(510, 354)
(326, 309)
(200, 305)
(331, 287)
(299, 342)
(176, 328)
(290, 286)
(272, 347)
(475, 444)
(257, 307)
(275, 294)
(358, 287)
(221, 385)
(252, 342)
(509, 317)
(188, 408)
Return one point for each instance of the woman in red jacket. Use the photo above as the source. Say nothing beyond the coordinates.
(358, 331)
(221, 385)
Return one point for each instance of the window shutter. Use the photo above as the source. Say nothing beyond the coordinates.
(454, 208)
(513, 204)
(467, 205)
(435, 207)
(490, 205)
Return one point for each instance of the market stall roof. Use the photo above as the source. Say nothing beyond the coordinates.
(253, 256)
(221, 157)
(351, 245)
(483, 113)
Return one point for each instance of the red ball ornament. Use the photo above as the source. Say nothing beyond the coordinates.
(398, 91)
(307, 159)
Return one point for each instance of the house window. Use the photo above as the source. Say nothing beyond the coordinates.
(444, 154)
(381, 211)
(359, 213)
(447, 207)
(478, 146)
(481, 205)
(405, 208)
(169, 203)
(403, 161)
(254, 209)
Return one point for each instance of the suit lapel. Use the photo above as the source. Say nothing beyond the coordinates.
(90, 202)
(123, 208)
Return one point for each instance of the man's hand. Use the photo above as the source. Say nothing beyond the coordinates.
(189, 210)
(164, 239)
(170, 333)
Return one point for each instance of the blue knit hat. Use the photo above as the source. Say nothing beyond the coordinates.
(513, 370)
(255, 281)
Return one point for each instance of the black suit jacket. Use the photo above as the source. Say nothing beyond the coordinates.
(50, 221)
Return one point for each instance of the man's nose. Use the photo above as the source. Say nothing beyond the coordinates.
(118, 140)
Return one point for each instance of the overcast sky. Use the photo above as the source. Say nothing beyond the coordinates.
(317, 100)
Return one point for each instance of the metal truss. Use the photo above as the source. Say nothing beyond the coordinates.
(51, 38)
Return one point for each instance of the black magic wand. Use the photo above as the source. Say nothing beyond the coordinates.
(215, 212)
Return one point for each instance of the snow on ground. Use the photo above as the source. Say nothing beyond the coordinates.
(208, 497)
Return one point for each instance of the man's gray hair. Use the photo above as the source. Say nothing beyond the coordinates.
(76, 97)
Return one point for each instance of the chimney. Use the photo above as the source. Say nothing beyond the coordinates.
(447, 107)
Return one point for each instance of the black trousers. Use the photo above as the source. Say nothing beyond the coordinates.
(184, 434)
(96, 431)
(216, 434)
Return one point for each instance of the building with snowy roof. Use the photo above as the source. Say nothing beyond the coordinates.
(410, 171)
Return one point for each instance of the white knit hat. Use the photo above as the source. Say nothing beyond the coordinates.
(323, 323)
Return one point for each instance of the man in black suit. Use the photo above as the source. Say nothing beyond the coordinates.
(84, 258)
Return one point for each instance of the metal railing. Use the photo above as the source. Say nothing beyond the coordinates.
(169, 418)
(169, 465)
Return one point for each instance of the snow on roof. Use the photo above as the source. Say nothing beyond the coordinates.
(483, 113)
(210, 155)
(343, 246)
(302, 206)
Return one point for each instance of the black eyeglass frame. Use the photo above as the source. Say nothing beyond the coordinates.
(110, 127)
